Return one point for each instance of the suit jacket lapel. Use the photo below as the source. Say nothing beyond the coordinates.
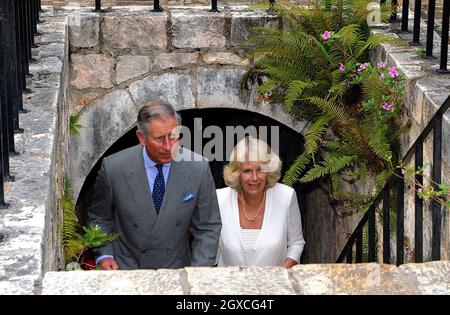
(172, 195)
(137, 181)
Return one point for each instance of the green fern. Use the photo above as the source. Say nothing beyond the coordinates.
(330, 165)
(69, 220)
(317, 79)
(315, 133)
(296, 170)
(76, 243)
(74, 126)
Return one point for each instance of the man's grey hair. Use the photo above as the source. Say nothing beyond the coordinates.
(155, 109)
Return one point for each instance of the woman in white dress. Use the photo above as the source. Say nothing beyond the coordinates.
(261, 224)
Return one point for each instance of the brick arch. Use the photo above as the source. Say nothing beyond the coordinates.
(108, 118)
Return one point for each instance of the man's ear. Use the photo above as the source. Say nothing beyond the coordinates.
(140, 136)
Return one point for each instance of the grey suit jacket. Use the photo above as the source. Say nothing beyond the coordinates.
(122, 203)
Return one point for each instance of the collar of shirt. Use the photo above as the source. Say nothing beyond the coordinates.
(148, 162)
(151, 170)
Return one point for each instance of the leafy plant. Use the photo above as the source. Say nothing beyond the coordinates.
(75, 243)
(74, 126)
(421, 52)
(317, 66)
(439, 192)
(91, 238)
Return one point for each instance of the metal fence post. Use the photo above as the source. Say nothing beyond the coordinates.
(444, 37)
(430, 29)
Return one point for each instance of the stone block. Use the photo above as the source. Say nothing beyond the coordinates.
(51, 27)
(135, 31)
(51, 80)
(198, 30)
(79, 99)
(92, 71)
(46, 66)
(169, 87)
(84, 30)
(175, 60)
(242, 24)
(23, 285)
(104, 121)
(239, 280)
(276, 111)
(224, 58)
(351, 279)
(136, 282)
(221, 88)
(50, 50)
(51, 38)
(430, 278)
(129, 67)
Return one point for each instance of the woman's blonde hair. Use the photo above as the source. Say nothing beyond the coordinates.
(251, 150)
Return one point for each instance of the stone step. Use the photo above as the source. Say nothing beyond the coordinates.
(327, 279)
(437, 15)
(134, 2)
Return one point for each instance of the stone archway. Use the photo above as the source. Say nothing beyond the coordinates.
(122, 59)
(116, 68)
(109, 117)
(289, 146)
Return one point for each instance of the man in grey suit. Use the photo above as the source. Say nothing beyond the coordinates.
(154, 195)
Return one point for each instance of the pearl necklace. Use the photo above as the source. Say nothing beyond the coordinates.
(245, 210)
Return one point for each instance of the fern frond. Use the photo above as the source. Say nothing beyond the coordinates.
(376, 39)
(69, 219)
(294, 90)
(349, 35)
(331, 164)
(315, 133)
(379, 143)
(297, 168)
(332, 109)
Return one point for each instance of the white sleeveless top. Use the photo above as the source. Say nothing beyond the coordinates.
(249, 238)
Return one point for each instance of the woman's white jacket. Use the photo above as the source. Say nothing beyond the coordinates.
(281, 234)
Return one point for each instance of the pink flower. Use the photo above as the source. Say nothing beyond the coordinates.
(403, 171)
(387, 106)
(342, 68)
(381, 65)
(419, 190)
(326, 35)
(393, 72)
(363, 66)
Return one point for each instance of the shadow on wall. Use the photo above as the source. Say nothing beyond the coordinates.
(290, 146)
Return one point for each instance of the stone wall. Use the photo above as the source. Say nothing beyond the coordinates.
(54, 47)
(337, 279)
(30, 242)
(164, 3)
(425, 91)
(116, 67)
(191, 58)
(122, 59)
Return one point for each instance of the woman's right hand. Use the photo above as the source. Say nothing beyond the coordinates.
(108, 264)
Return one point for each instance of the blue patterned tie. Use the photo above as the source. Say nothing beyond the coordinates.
(158, 189)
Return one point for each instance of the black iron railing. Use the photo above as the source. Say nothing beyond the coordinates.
(353, 250)
(18, 26)
(430, 28)
(365, 232)
(404, 24)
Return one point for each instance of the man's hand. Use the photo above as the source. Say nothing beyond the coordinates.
(108, 264)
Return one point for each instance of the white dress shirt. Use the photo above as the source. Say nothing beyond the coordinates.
(280, 236)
